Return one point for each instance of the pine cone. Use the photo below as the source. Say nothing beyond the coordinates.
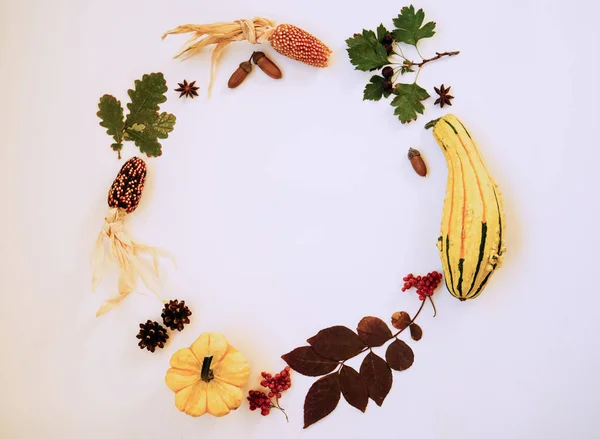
(151, 335)
(175, 315)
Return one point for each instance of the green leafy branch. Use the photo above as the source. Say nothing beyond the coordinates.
(381, 49)
(144, 125)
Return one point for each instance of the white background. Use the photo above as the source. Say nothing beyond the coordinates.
(291, 206)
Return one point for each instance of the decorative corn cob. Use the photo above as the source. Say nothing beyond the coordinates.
(126, 190)
(286, 39)
(123, 198)
(295, 43)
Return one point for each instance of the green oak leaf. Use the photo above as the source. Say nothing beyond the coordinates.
(374, 90)
(366, 52)
(146, 141)
(408, 101)
(139, 127)
(146, 136)
(408, 26)
(144, 125)
(110, 112)
(164, 124)
(146, 96)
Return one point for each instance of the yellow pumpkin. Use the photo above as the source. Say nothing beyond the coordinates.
(208, 377)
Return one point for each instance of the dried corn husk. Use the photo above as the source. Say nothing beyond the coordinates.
(127, 254)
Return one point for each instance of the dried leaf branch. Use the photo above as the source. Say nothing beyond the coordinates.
(331, 347)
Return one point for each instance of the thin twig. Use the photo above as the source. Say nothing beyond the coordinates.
(419, 52)
(400, 49)
(438, 55)
(432, 304)
(417, 75)
(280, 408)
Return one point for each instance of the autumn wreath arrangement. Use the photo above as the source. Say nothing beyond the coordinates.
(209, 376)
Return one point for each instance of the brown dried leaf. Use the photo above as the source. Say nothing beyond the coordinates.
(306, 361)
(354, 388)
(400, 320)
(373, 331)
(416, 332)
(322, 398)
(377, 376)
(337, 343)
(399, 355)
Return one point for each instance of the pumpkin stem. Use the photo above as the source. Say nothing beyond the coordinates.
(206, 374)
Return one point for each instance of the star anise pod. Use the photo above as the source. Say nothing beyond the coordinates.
(187, 90)
(444, 98)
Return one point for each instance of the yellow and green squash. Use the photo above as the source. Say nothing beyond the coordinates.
(472, 242)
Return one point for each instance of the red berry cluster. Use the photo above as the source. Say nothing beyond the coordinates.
(259, 399)
(276, 384)
(425, 285)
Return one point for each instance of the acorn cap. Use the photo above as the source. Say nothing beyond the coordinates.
(256, 56)
(246, 66)
(413, 153)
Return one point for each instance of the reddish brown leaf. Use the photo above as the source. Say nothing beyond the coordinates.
(377, 376)
(416, 332)
(373, 331)
(322, 398)
(337, 343)
(354, 388)
(400, 320)
(399, 355)
(306, 361)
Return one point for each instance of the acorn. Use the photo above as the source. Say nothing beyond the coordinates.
(240, 74)
(266, 65)
(417, 162)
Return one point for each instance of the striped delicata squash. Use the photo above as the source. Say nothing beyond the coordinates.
(472, 240)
